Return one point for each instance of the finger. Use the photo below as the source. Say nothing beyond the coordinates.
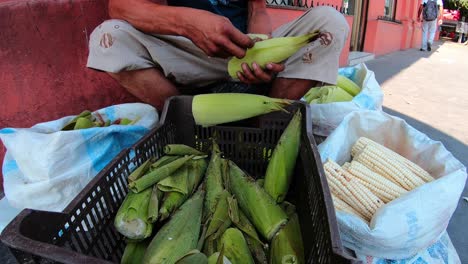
(275, 67)
(240, 39)
(261, 74)
(248, 73)
(231, 48)
(241, 78)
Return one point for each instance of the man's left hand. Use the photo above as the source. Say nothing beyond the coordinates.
(259, 75)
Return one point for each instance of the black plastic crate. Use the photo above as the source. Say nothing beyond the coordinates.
(84, 232)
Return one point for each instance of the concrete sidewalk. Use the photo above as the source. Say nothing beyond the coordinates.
(430, 91)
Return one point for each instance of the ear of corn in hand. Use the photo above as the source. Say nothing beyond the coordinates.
(281, 166)
(179, 235)
(214, 109)
(132, 217)
(274, 50)
(235, 247)
(256, 203)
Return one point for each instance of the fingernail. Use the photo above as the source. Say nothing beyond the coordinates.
(269, 66)
(255, 66)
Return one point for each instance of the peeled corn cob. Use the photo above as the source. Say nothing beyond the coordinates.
(362, 142)
(214, 109)
(132, 217)
(343, 206)
(271, 50)
(235, 247)
(391, 169)
(351, 191)
(383, 188)
(281, 166)
(258, 206)
(348, 85)
(178, 236)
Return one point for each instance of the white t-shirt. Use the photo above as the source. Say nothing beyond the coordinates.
(439, 2)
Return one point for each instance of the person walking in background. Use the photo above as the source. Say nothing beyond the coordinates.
(430, 14)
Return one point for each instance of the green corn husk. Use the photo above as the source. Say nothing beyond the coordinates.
(209, 247)
(220, 215)
(132, 218)
(125, 121)
(260, 182)
(181, 150)
(273, 50)
(83, 123)
(193, 257)
(348, 85)
(172, 200)
(281, 166)
(157, 175)
(257, 249)
(214, 181)
(219, 108)
(287, 245)
(163, 161)
(258, 206)
(178, 236)
(153, 205)
(235, 247)
(140, 171)
(218, 258)
(71, 125)
(134, 252)
(176, 182)
(327, 94)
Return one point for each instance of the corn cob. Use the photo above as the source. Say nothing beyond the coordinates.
(348, 85)
(140, 171)
(258, 206)
(83, 123)
(287, 246)
(235, 247)
(157, 175)
(132, 217)
(271, 50)
(172, 200)
(383, 188)
(176, 182)
(351, 191)
(214, 181)
(70, 125)
(343, 206)
(193, 257)
(181, 150)
(220, 215)
(362, 142)
(163, 161)
(178, 236)
(391, 169)
(134, 252)
(281, 166)
(214, 109)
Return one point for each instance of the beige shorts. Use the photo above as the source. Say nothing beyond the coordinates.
(116, 46)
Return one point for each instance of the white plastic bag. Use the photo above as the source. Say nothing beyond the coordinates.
(45, 168)
(326, 117)
(414, 221)
(441, 252)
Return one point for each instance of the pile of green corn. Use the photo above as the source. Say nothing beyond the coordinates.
(344, 90)
(211, 211)
(87, 119)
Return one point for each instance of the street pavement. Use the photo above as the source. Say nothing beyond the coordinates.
(430, 91)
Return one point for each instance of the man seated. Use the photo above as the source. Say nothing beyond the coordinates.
(153, 48)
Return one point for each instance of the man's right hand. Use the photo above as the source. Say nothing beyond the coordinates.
(217, 37)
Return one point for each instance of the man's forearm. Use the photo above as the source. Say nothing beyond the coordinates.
(259, 21)
(153, 17)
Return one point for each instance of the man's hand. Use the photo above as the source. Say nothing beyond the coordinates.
(259, 75)
(217, 37)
